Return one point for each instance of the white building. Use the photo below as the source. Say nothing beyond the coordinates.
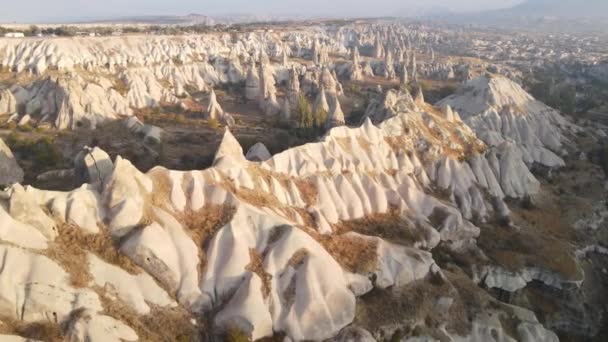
(14, 35)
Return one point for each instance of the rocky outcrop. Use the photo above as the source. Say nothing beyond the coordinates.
(336, 116)
(352, 172)
(10, 172)
(293, 87)
(215, 111)
(500, 110)
(356, 72)
(8, 103)
(258, 152)
(268, 92)
(252, 84)
(92, 165)
(278, 244)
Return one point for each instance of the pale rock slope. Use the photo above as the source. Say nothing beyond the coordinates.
(74, 82)
(500, 112)
(8, 103)
(257, 245)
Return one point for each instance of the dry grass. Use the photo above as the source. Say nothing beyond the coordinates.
(308, 218)
(203, 224)
(355, 254)
(70, 250)
(416, 303)
(42, 330)
(390, 226)
(161, 324)
(159, 197)
(258, 198)
(298, 258)
(308, 191)
(364, 143)
(256, 265)
(255, 196)
(345, 144)
(545, 239)
(396, 143)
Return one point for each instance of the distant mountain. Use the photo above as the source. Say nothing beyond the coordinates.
(543, 15)
(190, 19)
(560, 8)
(424, 11)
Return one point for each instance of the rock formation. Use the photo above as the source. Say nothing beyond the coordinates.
(336, 116)
(293, 86)
(414, 68)
(215, 111)
(404, 77)
(10, 172)
(258, 152)
(284, 58)
(267, 92)
(144, 212)
(93, 166)
(8, 103)
(356, 73)
(378, 47)
(286, 110)
(321, 101)
(504, 111)
(389, 67)
(252, 84)
(422, 207)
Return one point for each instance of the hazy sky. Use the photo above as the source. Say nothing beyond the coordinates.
(40, 10)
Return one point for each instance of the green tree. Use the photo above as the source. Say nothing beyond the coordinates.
(320, 118)
(304, 114)
(32, 31)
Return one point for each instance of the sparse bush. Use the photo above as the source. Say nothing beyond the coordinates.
(213, 123)
(236, 335)
(11, 126)
(320, 118)
(42, 330)
(176, 61)
(310, 123)
(43, 153)
(527, 203)
(121, 87)
(304, 114)
(26, 128)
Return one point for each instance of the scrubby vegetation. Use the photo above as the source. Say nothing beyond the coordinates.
(311, 123)
(435, 91)
(560, 96)
(43, 153)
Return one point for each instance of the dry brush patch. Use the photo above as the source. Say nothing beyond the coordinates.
(203, 224)
(358, 255)
(256, 265)
(159, 196)
(308, 190)
(390, 226)
(41, 330)
(415, 305)
(161, 324)
(70, 250)
(544, 239)
(355, 254)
